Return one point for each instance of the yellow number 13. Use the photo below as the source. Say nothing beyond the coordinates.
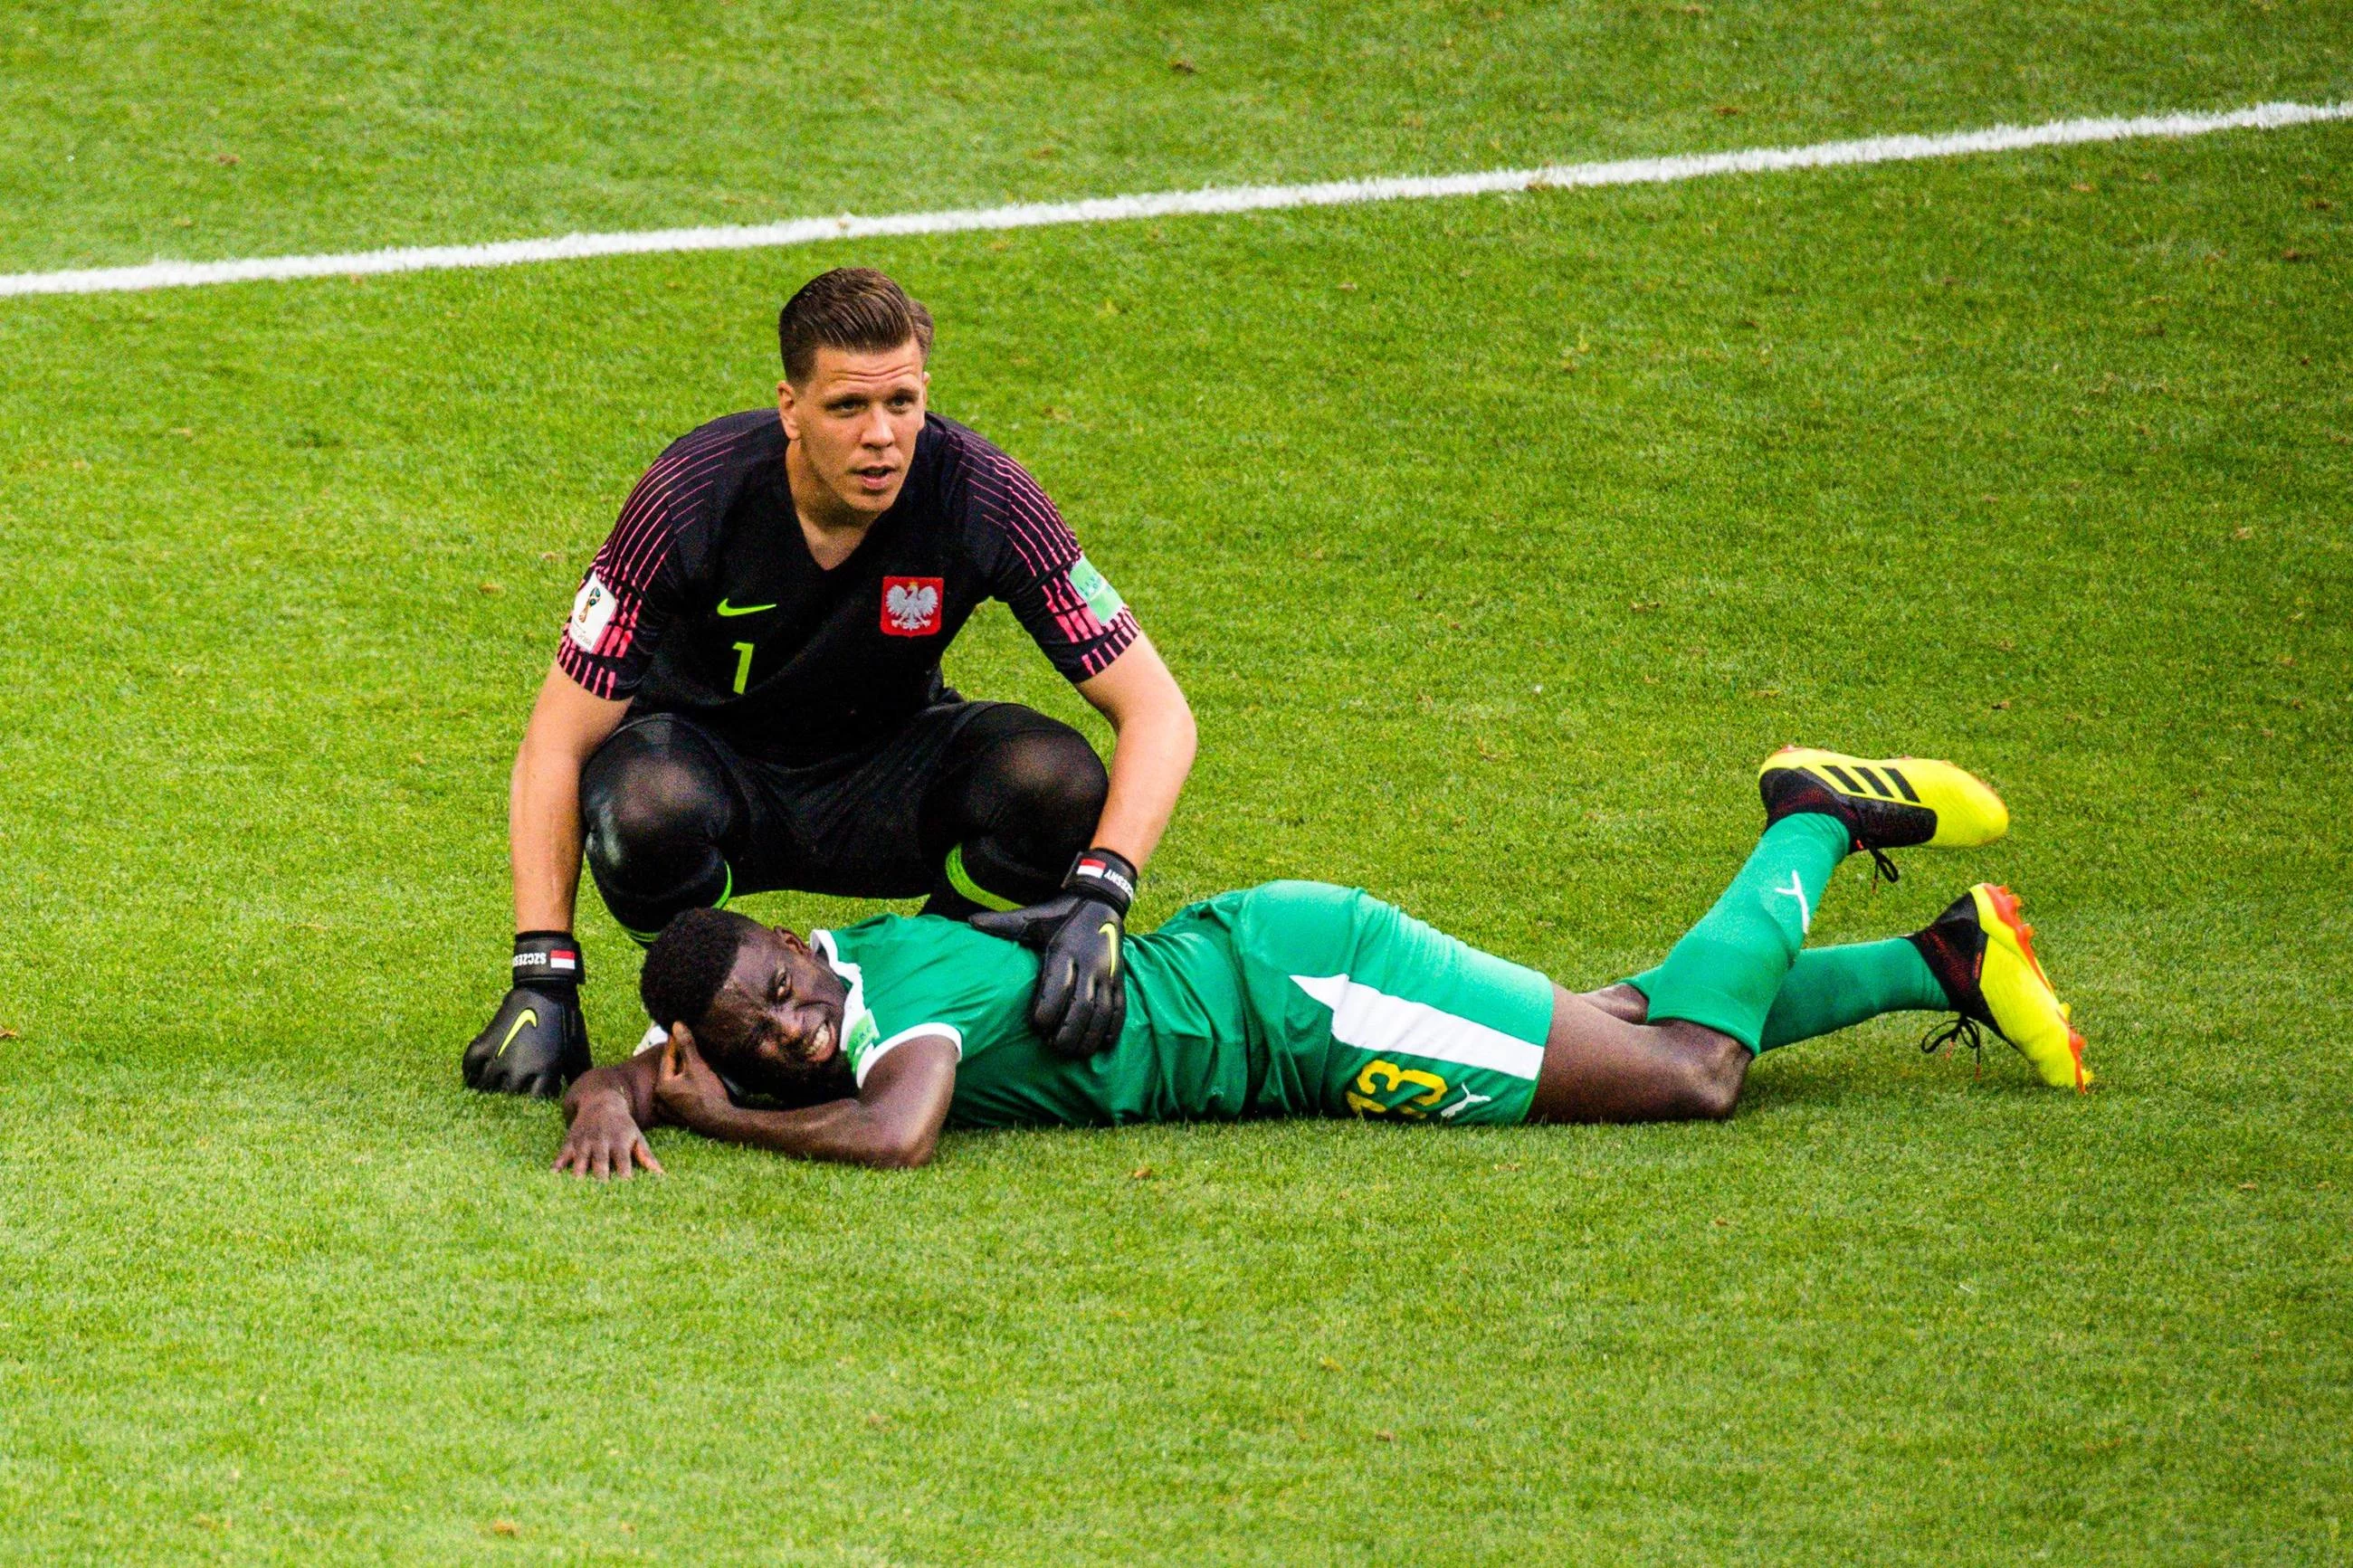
(1369, 1084)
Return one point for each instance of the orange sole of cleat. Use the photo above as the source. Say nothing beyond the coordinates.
(2010, 909)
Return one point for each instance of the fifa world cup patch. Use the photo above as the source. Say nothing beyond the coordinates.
(592, 612)
(911, 607)
(1092, 587)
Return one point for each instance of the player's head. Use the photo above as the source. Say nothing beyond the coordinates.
(852, 397)
(762, 1008)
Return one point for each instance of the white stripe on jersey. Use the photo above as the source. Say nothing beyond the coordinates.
(1373, 1020)
(875, 1052)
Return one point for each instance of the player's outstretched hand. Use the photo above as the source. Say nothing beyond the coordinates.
(604, 1141)
(538, 1039)
(1081, 998)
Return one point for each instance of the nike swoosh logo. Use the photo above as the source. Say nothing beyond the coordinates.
(727, 609)
(528, 1015)
(1110, 930)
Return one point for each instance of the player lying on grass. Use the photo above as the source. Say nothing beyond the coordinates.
(1301, 999)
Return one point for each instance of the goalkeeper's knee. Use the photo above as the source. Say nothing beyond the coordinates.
(658, 813)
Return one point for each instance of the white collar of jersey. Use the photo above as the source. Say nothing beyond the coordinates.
(858, 1029)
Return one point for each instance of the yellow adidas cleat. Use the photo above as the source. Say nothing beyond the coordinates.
(1982, 950)
(1886, 805)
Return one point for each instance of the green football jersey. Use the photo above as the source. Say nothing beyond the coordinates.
(1290, 999)
(1180, 1056)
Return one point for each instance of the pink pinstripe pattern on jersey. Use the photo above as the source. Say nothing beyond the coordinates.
(1073, 616)
(1007, 496)
(641, 539)
(593, 678)
(1040, 537)
(1117, 638)
(660, 503)
(1014, 502)
(622, 629)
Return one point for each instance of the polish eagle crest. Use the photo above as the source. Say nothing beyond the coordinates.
(911, 608)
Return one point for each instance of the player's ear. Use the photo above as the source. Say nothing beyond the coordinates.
(788, 410)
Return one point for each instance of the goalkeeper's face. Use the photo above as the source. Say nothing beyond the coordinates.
(854, 424)
(777, 1019)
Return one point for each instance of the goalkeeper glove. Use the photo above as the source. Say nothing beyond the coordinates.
(1081, 998)
(538, 1039)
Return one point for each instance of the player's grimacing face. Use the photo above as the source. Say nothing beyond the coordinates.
(779, 1016)
(856, 420)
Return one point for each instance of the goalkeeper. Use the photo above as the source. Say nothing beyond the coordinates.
(1301, 999)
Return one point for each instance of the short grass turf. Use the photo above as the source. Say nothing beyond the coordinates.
(203, 129)
(1491, 576)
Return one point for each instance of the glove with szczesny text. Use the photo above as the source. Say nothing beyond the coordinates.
(1081, 998)
(538, 1039)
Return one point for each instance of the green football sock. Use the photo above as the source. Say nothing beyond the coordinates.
(1727, 971)
(1833, 988)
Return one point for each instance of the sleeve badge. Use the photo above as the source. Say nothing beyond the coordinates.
(591, 613)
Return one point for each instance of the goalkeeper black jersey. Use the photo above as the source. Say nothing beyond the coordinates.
(706, 601)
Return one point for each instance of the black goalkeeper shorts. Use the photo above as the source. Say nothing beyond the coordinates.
(1019, 792)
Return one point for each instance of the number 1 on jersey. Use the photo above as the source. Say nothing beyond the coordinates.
(743, 667)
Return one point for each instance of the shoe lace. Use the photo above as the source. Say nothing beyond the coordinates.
(1963, 1028)
(1887, 871)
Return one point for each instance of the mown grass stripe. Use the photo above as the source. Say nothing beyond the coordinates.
(1169, 204)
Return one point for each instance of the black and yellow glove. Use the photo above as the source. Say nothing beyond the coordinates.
(1081, 997)
(538, 1039)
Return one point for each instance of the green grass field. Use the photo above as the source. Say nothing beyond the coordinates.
(1490, 576)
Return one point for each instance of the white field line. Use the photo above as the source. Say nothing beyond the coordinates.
(1169, 204)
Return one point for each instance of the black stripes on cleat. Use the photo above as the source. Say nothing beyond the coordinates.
(1880, 807)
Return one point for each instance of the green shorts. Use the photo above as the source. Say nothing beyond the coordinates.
(1359, 1009)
